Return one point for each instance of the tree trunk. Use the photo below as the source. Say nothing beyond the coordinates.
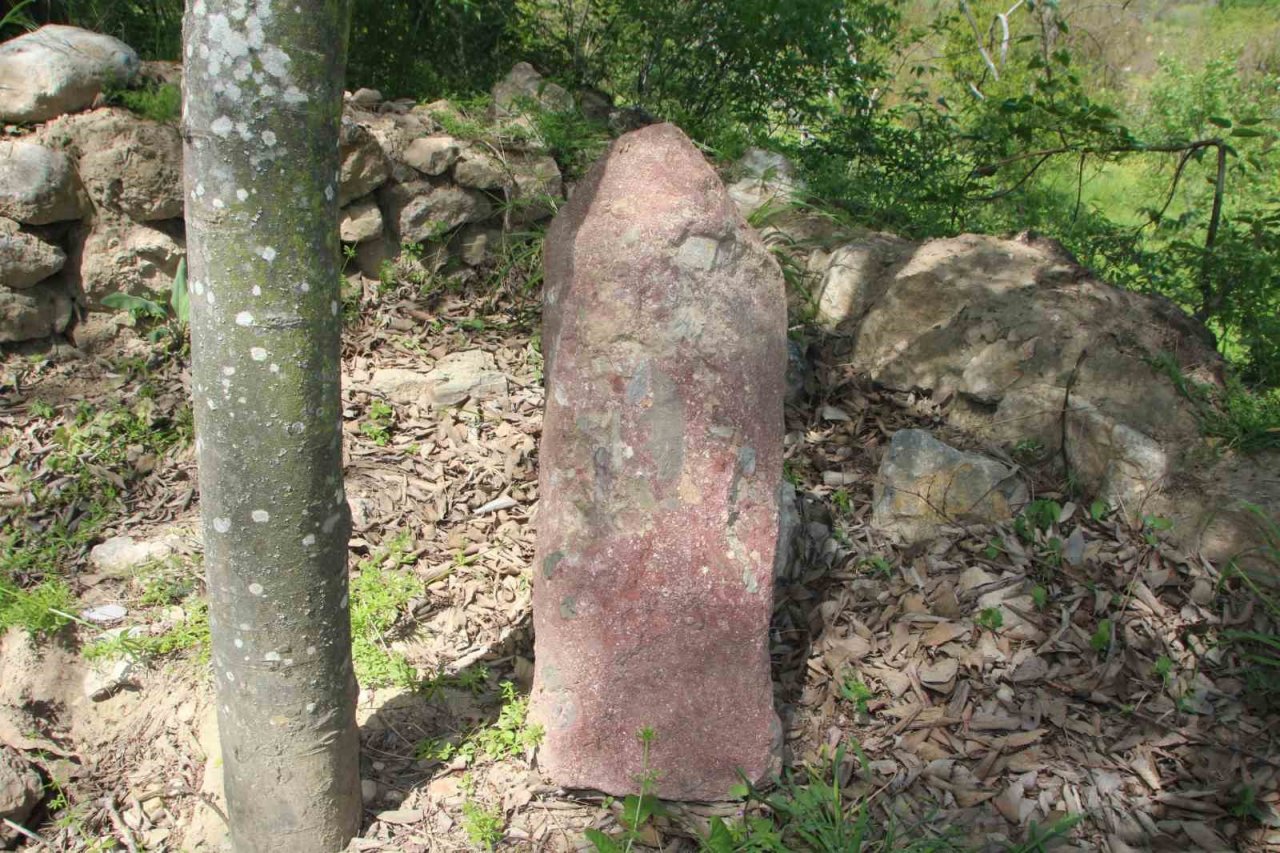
(262, 106)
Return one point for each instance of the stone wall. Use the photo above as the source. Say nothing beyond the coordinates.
(91, 197)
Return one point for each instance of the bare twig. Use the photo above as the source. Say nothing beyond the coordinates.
(26, 833)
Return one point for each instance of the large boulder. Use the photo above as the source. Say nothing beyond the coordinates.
(59, 69)
(130, 165)
(38, 184)
(38, 312)
(426, 210)
(924, 484)
(120, 256)
(661, 465)
(25, 258)
(360, 221)
(1024, 347)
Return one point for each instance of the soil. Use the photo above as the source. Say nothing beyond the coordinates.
(948, 721)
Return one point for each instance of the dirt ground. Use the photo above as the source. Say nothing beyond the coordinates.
(982, 687)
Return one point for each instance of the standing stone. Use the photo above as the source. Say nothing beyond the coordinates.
(661, 463)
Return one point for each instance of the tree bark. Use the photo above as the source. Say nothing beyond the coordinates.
(262, 96)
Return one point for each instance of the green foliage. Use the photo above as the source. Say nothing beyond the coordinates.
(40, 610)
(637, 809)
(991, 618)
(379, 420)
(380, 590)
(1039, 515)
(483, 824)
(160, 102)
(854, 690)
(17, 18)
(1101, 638)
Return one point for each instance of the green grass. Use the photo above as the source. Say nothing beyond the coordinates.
(380, 589)
(160, 102)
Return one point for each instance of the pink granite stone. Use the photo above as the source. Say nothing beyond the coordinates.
(661, 460)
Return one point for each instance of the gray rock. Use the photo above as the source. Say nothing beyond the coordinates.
(366, 97)
(426, 210)
(24, 258)
(523, 82)
(854, 278)
(131, 165)
(478, 244)
(360, 222)
(104, 677)
(38, 185)
(538, 186)
(59, 69)
(364, 164)
(480, 170)
(121, 256)
(35, 313)
(766, 177)
(20, 786)
(924, 484)
(432, 155)
(471, 375)
(120, 556)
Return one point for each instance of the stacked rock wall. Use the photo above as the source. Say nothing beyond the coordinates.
(91, 200)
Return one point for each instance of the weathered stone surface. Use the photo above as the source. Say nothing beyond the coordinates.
(24, 258)
(523, 82)
(661, 461)
(537, 186)
(20, 786)
(121, 555)
(59, 69)
(999, 329)
(480, 170)
(38, 185)
(424, 210)
(364, 164)
(924, 484)
(470, 375)
(361, 221)
(478, 244)
(365, 98)
(131, 165)
(120, 256)
(766, 177)
(432, 155)
(37, 312)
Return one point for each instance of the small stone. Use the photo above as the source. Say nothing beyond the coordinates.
(20, 787)
(38, 185)
(364, 164)
(366, 98)
(361, 221)
(768, 178)
(122, 256)
(422, 210)
(103, 678)
(432, 155)
(25, 259)
(471, 375)
(130, 165)
(480, 170)
(924, 484)
(34, 313)
(122, 555)
(368, 791)
(105, 613)
(524, 83)
(538, 185)
(478, 244)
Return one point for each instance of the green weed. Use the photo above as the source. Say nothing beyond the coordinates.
(991, 618)
(380, 589)
(637, 809)
(380, 417)
(160, 102)
(856, 691)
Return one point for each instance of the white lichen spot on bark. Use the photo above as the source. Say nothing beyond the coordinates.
(223, 127)
(268, 254)
(260, 516)
(268, 138)
(255, 589)
(309, 540)
(244, 318)
(222, 525)
(257, 354)
(271, 656)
